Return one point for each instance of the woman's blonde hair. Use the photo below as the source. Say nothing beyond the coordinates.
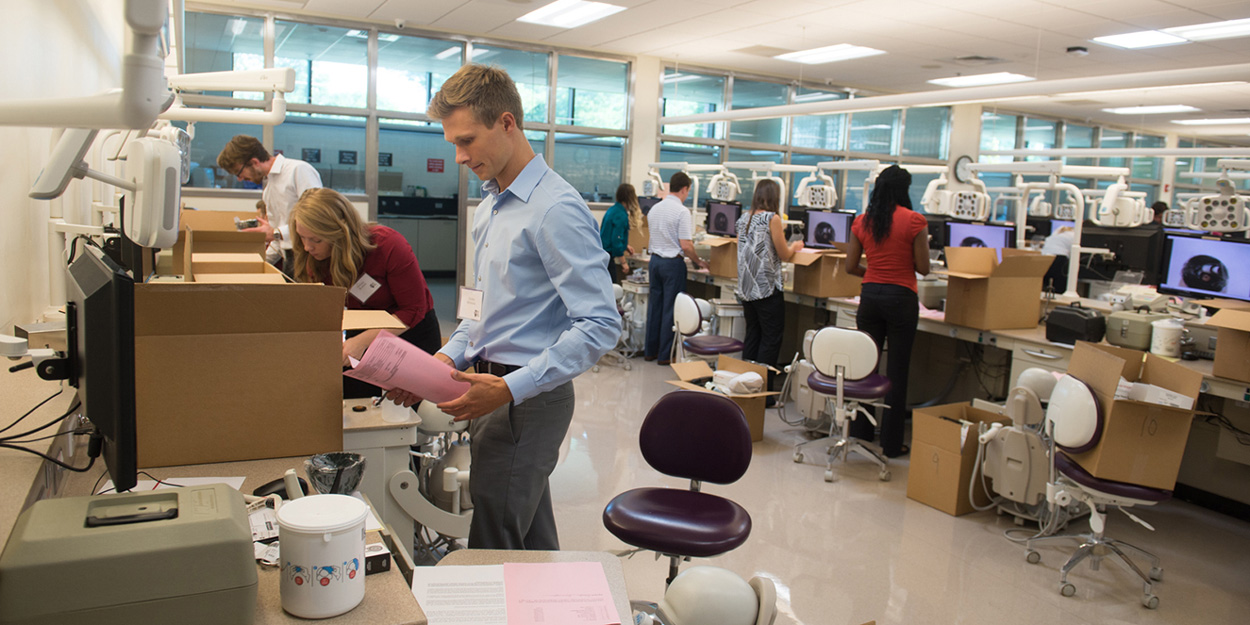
(628, 197)
(330, 217)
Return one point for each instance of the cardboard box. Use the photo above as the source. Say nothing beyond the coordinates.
(214, 262)
(1232, 344)
(823, 274)
(724, 259)
(943, 456)
(752, 404)
(214, 231)
(985, 294)
(640, 238)
(1141, 443)
(237, 372)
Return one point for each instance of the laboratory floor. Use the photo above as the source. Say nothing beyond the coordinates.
(858, 550)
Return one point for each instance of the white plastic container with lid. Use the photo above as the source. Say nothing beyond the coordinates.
(322, 549)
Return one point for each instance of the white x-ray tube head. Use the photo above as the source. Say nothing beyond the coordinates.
(154, 166)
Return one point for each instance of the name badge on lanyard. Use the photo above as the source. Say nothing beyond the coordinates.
(470, 304)
(364, 288)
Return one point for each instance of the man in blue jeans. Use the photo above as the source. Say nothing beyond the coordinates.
(672, 234)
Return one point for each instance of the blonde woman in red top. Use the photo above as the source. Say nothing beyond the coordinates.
(895, 240)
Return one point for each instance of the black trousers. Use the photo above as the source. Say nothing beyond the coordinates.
(889, 314)
(426, 335)
(766, 322)
(614, 271)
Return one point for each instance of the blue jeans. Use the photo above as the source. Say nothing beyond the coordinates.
(668, 278)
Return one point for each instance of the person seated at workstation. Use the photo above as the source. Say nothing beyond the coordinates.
(762, 248)
(614, 231)
(333, 245)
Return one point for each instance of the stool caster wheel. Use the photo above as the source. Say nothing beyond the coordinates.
(1067, 589)
(1032, 557)
(1150, 601)
(828, 475)
(595, 368)
(798, 457)
(884, 476)
(1156, 574)
(629, 367)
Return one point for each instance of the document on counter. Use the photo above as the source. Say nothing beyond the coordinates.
(568, 593)
(391, 362)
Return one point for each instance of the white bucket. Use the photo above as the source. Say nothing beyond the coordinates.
(1165, 337)
(322, 549)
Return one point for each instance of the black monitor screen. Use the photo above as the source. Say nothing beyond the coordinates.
(1199, 267)
(824, 228)
(1056, 224)
(100, 328)
(962, 234)
(937, 231)
(722, 218)
(645, 203)
(1135, 249)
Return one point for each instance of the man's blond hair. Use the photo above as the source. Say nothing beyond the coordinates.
(487, 91)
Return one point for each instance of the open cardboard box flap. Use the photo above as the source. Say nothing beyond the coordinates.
(370, 319)
(1231, 319)
(807, 256)
(1102, 366)
(982, 262)
(714, 241)
(698, 369)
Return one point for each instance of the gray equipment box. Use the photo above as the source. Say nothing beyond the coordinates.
(1131, 328)
(181, 555)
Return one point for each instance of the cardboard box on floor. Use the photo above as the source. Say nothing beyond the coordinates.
(228, 372)
(943, 456)
(724, 256)
(752, 404)
(1141, 443)
(822, 273)
(985, 294)
(215, 232)
(1232, 344)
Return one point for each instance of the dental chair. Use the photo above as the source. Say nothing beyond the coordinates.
(1075, 418)
(846, 374)
(688, 321)
(702, 437)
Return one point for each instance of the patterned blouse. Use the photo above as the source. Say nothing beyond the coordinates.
(759, 267)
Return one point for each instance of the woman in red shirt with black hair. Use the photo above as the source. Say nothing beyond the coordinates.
(376, 265)
(895, 239)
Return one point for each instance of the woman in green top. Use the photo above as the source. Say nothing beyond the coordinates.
(614, 231)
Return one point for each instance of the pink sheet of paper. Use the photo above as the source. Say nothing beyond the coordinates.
(567, 593)
(391, 362)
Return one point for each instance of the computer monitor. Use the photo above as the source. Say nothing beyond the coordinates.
(645, 203)
(100, 329)
(964, 234)
(722, 218)
(824, 228)
(1056, 224)
(1204, 268)
(1135, 249)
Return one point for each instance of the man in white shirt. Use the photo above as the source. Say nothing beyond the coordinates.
(284, 180)
(672, 235)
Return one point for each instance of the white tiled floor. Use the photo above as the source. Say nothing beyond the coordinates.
(858, 549)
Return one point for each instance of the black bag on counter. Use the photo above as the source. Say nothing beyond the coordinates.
(1069, 324)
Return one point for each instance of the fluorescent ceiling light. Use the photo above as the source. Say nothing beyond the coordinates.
(980, 80)
(364, 34)
(679, 77)
(1142, 39)
(569, 13)
(448, 53)
(816, 96)
(829, 54)
(1213, 30)
(1151, 110)
(1212, 121)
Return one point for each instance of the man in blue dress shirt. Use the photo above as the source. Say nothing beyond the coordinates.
(547, 312)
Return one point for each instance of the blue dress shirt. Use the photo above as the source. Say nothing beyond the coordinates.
(547, 303)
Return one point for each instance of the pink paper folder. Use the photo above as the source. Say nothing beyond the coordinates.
(391, 362)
